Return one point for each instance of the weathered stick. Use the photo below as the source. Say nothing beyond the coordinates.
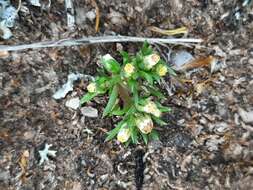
(70, 14)
(100, 39)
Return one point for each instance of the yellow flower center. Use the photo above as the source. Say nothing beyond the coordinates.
(162, 70)
(91, 87)
(129, 68)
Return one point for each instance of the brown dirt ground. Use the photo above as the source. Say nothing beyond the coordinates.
(206, 144)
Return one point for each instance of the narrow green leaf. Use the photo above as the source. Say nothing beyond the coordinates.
(154, 135)
(125, 56)
(146, 49)
(114, 132)
(159, 121)
(146, 76)
(163, 108)
(127, 143)
(156, 77)
(111, 102)
(130, 111)
(87, 97)
(114, 80)
(134, 136)
(133, 88)
(145, 138)
(118, 111)
(101, 80)
(171, 71)
(155, 92)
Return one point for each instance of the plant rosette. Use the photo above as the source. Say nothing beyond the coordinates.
(134, 94)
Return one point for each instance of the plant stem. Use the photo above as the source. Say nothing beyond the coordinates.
(124, 95)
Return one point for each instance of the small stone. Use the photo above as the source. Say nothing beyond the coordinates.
(138, 9)
(4, 175)
(91, 15)
(73, 103)
(4, 54)
(181, 58)
(119, 47)
(77, 186)
(116, 18)
(247, 117)
(221, 128)
(35, 3)
(28, 135)
(251, 61)
(89, 111)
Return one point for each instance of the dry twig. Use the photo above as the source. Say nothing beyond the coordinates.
(94, 3)
(100, 39)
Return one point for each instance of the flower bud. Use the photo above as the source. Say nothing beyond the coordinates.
(123, 135)
(110, 64)
(161, 70)
(151, 107)
(151, 60)
(92, 87)
(145, 124)
(107, 57)
(129, 69)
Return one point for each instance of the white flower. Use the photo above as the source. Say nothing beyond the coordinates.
(151, 60)
(123, 135)
(151, 107)
(145, 124)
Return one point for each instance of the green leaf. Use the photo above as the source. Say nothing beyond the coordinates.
(125, 56)
(155, 92)
(146, 49)
(114, 80)
(154, 135)
(134, 133)
(114, 132)
(145, 137)
(118, 111)
(130, 111)
(163, 108)
(111, 102)
(146, 76)
(127, 143)
(101, 80)
(111, 65)
(156, 77)
(87, 97)
(171, 71)
(133, 88)
(159, 121)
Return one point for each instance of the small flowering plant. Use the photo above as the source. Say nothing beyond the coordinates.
(133, 93)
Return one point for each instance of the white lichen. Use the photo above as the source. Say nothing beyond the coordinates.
(45, 153)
